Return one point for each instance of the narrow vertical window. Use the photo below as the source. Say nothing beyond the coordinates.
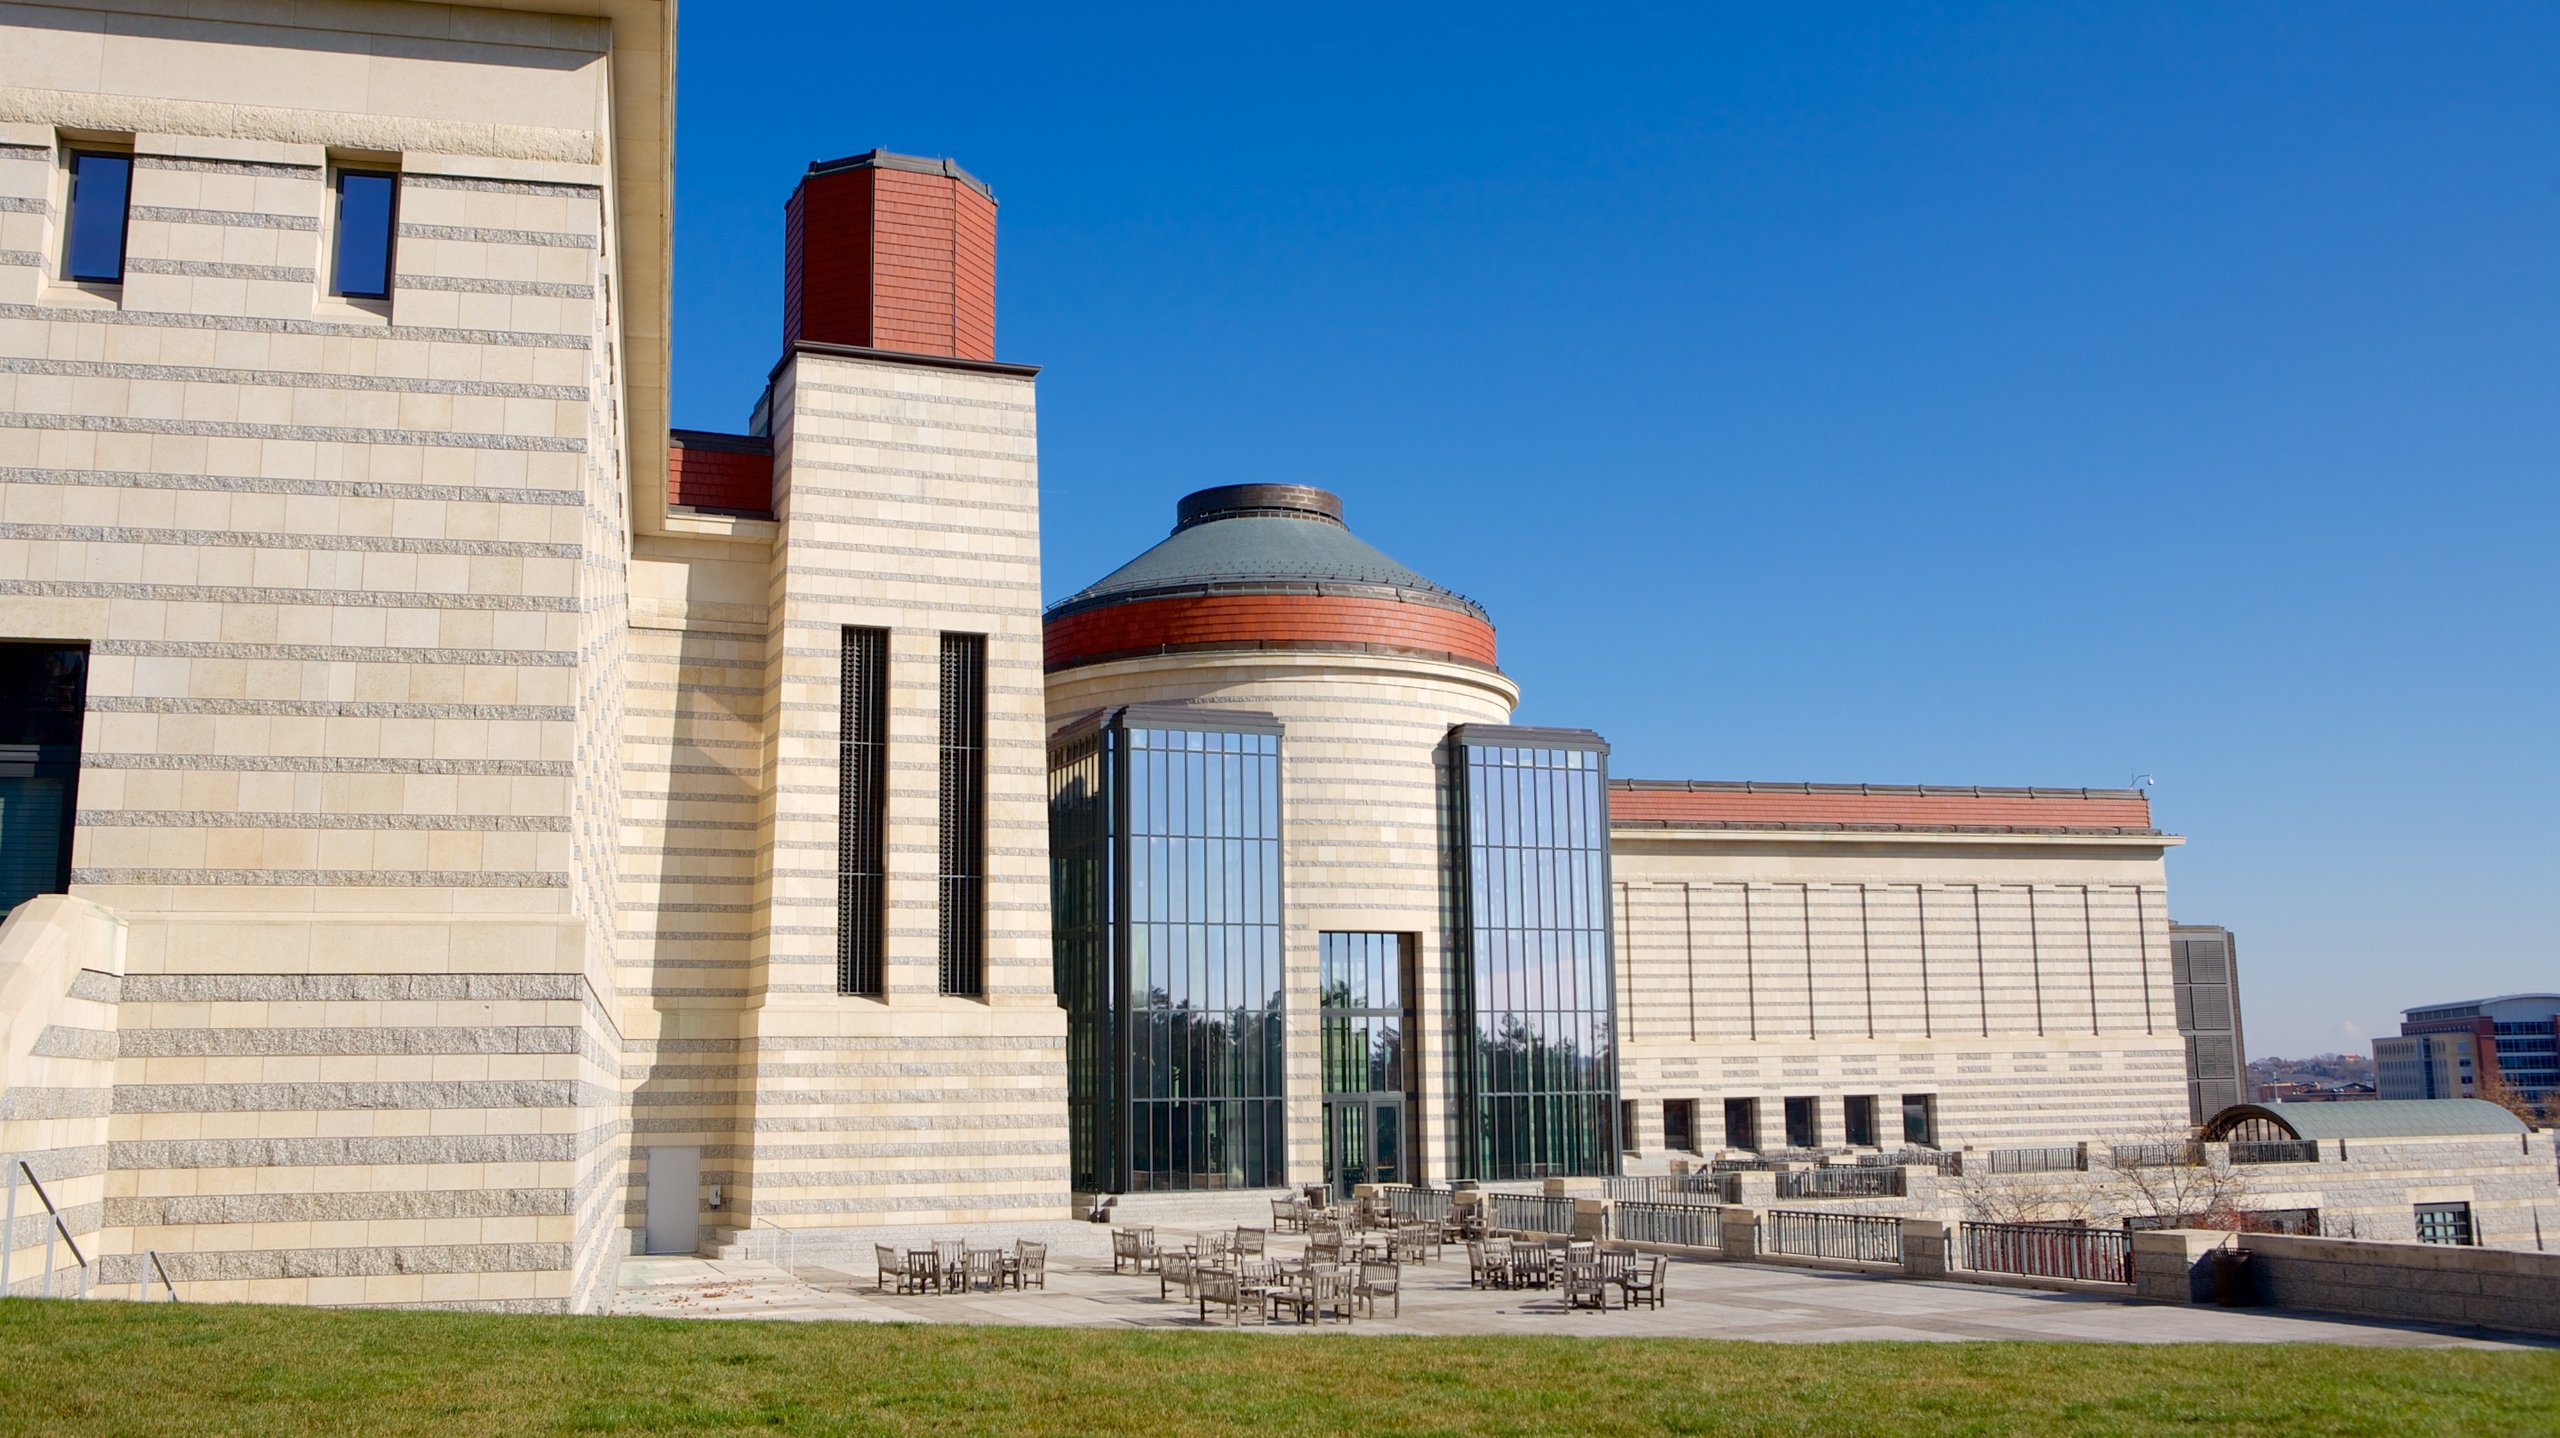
(368, 208)
(93, 239)
(43, 694)
(964, 815)
(862, 778)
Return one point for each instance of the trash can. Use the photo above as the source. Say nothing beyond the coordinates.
(2235, 1278)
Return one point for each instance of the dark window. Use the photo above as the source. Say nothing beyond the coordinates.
(1626, 1125)
(1680, 1125)
(1804, 1124)
(964, 815)
(862, 814)
(43, 691)
(101, 186)
(1536, 1058)
(1165, 900)
(2445, 1223)
(1858, 1120)
(368, 209)
(1742, 1124)
(1920, 1119)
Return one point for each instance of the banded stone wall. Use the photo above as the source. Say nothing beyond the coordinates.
(351, 573)
(2026, 985)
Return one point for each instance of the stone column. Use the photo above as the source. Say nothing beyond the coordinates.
(1926, 1250)
(2169, 1264)
(1742, 1234)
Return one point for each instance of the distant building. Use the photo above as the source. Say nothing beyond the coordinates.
(2451, 1050)
(2205, 969)
(2316, 1093)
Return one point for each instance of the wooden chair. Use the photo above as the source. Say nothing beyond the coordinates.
(1645, 1284)
(1030, 1265)
(1134, 1248)
(1502, 1267)
(1585, 1285)
(1479, 1271)
(951, 1253)
(924, 1271)
(1180, 1270)
(982, 1268)
(1288, 1215)
(1380, 1280)
(893, 1269)
(1219, 1286)
(1249, 1242)
(1617, 1266)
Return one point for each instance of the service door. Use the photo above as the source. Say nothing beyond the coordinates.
(674, 1189)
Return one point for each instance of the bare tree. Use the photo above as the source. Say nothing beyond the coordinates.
(2161, 1175)
(2537, 1113)
(1989, 1197)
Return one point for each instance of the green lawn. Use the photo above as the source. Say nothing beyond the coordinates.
(123, 1368)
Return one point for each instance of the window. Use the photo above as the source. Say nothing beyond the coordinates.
(1858, 1120)
(1742, 1124)
(862, 814)
(1804, 1123)
(964, 815)
(1164, 854)
(1533, 1007)
(93, 238)
(2445, 1223)
(368, 210)
(43, 691)
(1626, 1125)
(1680, 1125)
(1920, 1119)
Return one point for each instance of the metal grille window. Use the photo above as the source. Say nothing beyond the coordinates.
(964, 815)
(862, 814)
(2445, 1223)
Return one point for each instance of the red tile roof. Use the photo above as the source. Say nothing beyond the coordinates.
(1717, 804)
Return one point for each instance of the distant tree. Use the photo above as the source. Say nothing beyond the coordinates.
(2167, 1179)
(2543, 1112)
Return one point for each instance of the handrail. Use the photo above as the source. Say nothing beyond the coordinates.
(59, 1227)
(786, 1246)
(152, 1256)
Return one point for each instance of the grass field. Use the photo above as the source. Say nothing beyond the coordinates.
(122, 1368)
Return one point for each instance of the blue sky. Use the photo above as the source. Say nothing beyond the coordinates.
(1986, 394)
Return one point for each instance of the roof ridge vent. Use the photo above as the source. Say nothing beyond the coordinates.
(1257, 501)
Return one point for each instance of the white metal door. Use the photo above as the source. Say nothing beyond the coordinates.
(674, 1198)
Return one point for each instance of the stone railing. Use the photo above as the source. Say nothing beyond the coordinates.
(2411, 1282)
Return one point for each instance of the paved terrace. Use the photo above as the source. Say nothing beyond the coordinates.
(1705, 1299)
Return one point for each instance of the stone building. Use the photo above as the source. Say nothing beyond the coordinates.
(461, 831)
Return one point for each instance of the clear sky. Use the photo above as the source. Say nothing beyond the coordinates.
(2026, 394)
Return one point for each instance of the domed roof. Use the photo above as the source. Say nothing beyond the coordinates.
(1262, 539)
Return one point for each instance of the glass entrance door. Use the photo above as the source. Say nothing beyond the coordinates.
(1365, 1015)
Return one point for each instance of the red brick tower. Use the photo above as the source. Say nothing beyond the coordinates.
(891, 252)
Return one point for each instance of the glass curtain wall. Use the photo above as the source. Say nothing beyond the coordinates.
(1532, 979)
(1165, 852)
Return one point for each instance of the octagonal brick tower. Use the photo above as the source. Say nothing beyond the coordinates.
(1262, 601)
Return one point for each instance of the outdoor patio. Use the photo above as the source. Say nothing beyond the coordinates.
(1704, 1299)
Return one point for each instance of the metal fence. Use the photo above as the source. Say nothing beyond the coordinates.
(1698, 1225)
(1531, 1213)
(1420, 1205)
(2058, 1159)
(1861, 1237)
(1676, 1188)
(1945, 1161)
(2156, 1155)
(2288, 1150)
(2050, 1250)
(1837, 1182)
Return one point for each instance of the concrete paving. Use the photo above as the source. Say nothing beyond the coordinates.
(1760, 1301)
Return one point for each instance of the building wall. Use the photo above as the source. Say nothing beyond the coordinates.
(2204, 972)
(1361, 842)
(2023, 981)
(351, 577)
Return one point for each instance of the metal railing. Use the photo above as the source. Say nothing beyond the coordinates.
(58, 1229)
(151, 1264)
(1768, 1159)
(2050, 1250)
(1945, 1161)
(1839, 1182)
(2286, 1150)
(1420, 1205)
(1696, 1225)
(1531, 1213)
(1692, 1188)
(2156, 1155)
(2059, 1158)
(1859, 1237)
